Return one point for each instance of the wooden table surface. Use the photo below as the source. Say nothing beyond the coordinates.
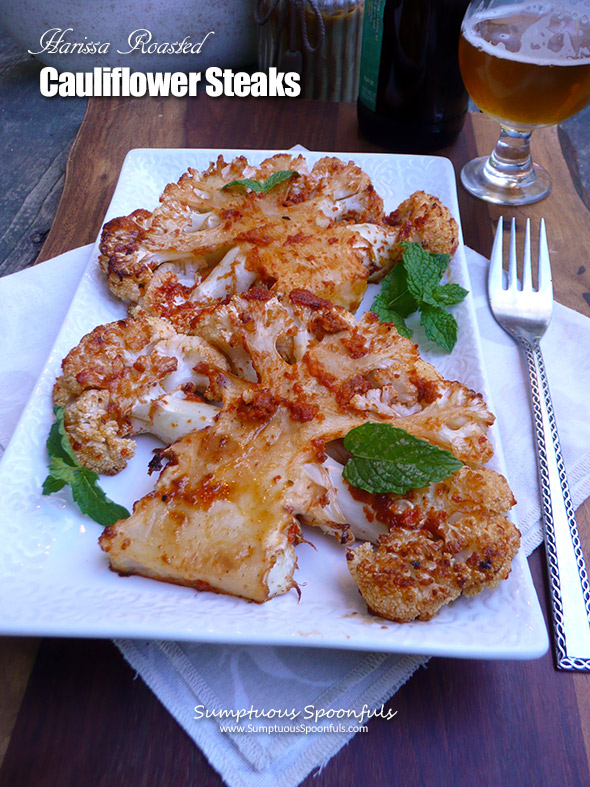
(71, 712)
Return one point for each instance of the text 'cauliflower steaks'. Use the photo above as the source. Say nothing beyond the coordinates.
(226, 511)
(322, 229)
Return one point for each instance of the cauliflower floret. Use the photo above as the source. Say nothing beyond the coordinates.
(104, 354)
(96, 435)
(131, 376)
(423, 219)
(449, 539)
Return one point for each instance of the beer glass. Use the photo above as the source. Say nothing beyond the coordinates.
(527, 65)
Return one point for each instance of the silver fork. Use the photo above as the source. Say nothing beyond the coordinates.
(525, 314)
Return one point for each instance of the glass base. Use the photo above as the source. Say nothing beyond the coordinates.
(481, 181)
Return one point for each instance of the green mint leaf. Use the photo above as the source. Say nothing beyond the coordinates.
(93, 502)
(61, 470)
(278, 177)
(395, 294)
(52, 484)
(64, 469)
(386, 314)
(446, 294)
(61, 473)
(263, 188)
(423, 269)
(54, 443)
(247, 183)
(439, 326)
(58, 444)
(414, 285)
(393, 302)
(388, 460)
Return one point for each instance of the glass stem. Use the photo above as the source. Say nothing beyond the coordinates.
(511, 160)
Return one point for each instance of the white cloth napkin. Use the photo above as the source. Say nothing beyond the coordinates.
(190, 679)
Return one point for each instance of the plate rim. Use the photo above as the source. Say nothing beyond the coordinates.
(538, 643)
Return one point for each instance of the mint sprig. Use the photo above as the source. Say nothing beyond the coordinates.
(389, 460)
(439, 326)
(414, 285)
(64, 469)
(394, 302)
(267, 185)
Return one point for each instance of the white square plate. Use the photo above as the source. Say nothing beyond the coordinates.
(55, 581)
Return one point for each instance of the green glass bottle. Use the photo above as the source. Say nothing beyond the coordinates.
(411, 95)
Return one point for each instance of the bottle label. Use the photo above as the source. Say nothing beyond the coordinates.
(371, 52)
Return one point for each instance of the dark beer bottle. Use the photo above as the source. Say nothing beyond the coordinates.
(411, 95)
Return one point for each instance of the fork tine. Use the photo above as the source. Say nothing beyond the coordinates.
(512, 274)
(527, 277)
(545, 281)
(495, 272)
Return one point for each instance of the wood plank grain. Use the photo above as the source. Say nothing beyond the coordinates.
(96, 159)
(17, 656)
(35, 137)
(85, 720)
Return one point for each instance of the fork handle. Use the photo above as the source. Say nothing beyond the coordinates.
(568, 578)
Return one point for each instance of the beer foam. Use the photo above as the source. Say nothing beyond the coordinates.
(554, 39)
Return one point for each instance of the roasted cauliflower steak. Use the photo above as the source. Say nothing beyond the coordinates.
(297, 374)
(323, 230)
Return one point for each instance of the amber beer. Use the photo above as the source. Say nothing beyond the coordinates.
(528, 69)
